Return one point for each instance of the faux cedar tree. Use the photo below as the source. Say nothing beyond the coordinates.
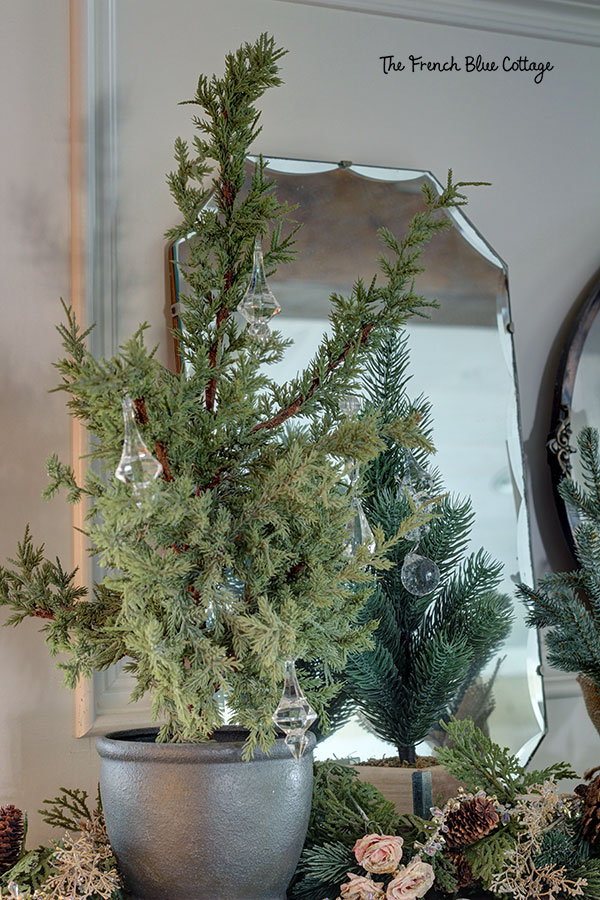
(247, 494)
(567, 604)
(427, 651)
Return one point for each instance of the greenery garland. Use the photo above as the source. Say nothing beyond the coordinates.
(508, 833)
(532, 843)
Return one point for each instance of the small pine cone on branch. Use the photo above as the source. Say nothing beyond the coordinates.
(464, 872)
(590, 794)
(12, 828)
(471, 821)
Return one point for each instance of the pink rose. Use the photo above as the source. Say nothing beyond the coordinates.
(414, 880)
(379, 853)
(361, 888)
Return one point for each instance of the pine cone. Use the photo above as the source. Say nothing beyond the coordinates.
(464, 872)
(470, 822)
(12, 826)
(590, 794)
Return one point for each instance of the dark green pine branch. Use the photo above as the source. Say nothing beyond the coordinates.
(568, 603)
(427, 649)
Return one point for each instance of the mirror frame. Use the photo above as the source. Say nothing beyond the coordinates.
(559, 443)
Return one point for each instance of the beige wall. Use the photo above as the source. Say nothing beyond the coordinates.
(536, 143)
(37, 752)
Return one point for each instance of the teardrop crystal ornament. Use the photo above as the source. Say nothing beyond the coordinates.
(350, 405)
(358, 530)
(259, 304)
(419, 575)
(294, 714)
(417, 482)
(297, 743)
(137, 466)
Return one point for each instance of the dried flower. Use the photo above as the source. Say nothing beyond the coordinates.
(412, 881)
(379, 853)
(84, 868)
(536, 812)
(360, 888)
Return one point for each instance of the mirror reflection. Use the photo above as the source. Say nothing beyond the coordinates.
(461, 359)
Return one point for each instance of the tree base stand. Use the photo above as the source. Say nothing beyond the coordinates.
(396, 784)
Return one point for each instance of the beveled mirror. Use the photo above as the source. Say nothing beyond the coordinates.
(461, 359)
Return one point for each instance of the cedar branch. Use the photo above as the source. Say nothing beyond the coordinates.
(213, 353)
(284, 414)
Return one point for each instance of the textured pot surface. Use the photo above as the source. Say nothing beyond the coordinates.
(196, 822)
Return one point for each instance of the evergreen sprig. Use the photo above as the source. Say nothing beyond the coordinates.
(563, 846)
(487, 857)
(67, 810)
(322, 870)
(31, 871)
(345, 808)
(483, 765)
(567, 604)
(590, 870)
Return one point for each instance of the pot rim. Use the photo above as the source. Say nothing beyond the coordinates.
(135, 745)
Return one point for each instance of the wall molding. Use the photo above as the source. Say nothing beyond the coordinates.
(101, 704)
(571, 21)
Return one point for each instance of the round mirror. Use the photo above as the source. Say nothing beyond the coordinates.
(576, 402)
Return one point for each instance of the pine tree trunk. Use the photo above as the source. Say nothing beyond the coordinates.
(407, 754)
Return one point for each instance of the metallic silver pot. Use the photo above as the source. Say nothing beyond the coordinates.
(196, 822)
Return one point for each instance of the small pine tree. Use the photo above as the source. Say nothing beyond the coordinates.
(568, 603)
(427, 649)
(249, 495)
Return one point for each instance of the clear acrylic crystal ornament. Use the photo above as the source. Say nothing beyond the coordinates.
(350, 405)
(358, 528)
(259, 304)
(294, 714)
(419, 575)
(419, 485)
(297, 743)
(225, 594)
(137, 466)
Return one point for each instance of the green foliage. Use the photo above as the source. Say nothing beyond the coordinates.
(427, 650)
(563, 846)
(486, 857)
(344, 809)
(248, 495)
(67, 810)
(31, 870)
(445, 873)
(567, 604)
(483, 765)
(321, 871)
(590, 870)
